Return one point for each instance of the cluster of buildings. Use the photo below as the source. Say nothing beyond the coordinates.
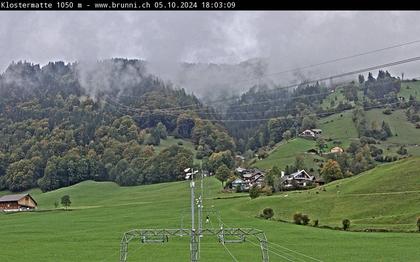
(254, 177)
(248, 178)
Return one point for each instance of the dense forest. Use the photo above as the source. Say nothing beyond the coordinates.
(64, 123)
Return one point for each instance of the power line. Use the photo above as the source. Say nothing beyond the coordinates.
(329, 62)
(342, 58)
(230, 253)
(358, 71)
(325, 113)
(296, 252)
(323, 63)
(275, 253)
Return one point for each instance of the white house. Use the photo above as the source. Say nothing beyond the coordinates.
(300, 178)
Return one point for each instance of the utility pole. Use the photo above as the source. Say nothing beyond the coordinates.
(226, 235)
(193, 243)
(200, 215)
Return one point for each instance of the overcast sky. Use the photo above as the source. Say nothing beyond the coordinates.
(286, 39)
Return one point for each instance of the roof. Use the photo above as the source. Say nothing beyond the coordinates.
(248, 175)
(16, 197)
(337, 149)
(238, 180)
(240, 169)
(294, 175)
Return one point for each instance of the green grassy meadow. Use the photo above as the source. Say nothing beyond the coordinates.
(339, 127)
(413, 89)
(170, 141)
(286, 152)
(102, 211)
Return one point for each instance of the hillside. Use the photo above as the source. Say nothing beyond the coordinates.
(404, 132)
(410, 88)
(65, 123)
(102, 211)
(285, 154)
(338, 127)
(384, 197)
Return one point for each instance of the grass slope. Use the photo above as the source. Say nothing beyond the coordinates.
(404, 132)
(170, 141)
(413, 89)
(339, 127)
(285, 154)
(384, 197)
(103, 211)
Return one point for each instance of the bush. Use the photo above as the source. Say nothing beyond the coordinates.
(387, 111)
(402, 151)
(418, 223)
(267, 213)
(346, 224)
(254, 192)
(316, 223)
(305, 219)
(267, 190)
(297, 218)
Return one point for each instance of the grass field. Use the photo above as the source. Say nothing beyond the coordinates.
(101, 212)
(285, 154)
(413, 89)
(339, 127)
(170, 140)
(337, 97)
(385, 197)
(403, 131)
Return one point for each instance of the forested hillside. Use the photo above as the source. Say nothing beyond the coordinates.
(64, 123)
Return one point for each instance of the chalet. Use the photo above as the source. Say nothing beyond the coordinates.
(298, 179)
(311, 133)
(18, 202)
(239, 183)
(307, 133)
(249, 178)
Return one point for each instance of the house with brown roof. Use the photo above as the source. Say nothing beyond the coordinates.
(18, 202)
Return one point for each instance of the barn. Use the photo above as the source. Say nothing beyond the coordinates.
(18, 202)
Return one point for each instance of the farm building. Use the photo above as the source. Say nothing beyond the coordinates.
(18, 202)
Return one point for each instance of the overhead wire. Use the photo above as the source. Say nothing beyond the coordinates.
(408, 60)
(314, 65)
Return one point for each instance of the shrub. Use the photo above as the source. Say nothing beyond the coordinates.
(268, 213)
(346, 224)
(297, 217)
(387, 111)
(254, 192)
(402, 151)
(305, 219)
(267, 190)
(418, 223)
(316, 223)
